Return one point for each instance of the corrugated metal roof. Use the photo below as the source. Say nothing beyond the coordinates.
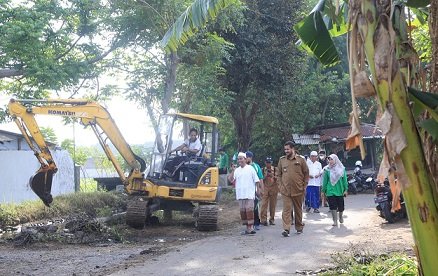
(4, 138)
(306, 139)
(11, 137)
(340, 132)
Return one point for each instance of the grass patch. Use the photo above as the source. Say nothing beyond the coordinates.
(90, 203)
(365, 264)
(228, 195)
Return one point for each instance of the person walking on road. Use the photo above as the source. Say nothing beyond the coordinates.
(270, 193)
(293, 175)
(335, 186)
(246, 179)
(322, 158)
(249, 161)
(314, 186)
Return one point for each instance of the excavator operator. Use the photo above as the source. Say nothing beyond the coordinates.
(190, 148)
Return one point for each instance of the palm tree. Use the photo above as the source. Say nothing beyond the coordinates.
(376, 44)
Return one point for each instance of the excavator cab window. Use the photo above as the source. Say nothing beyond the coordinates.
(174, 130)
(163, 144)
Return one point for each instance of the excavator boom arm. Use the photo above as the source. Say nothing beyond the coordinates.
(90, 114)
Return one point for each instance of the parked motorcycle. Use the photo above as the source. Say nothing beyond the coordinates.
(359, 182)
(368, 183)
(352, 182)
(383, 199)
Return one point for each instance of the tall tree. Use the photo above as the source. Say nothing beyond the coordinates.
(49, 135)
(151, 72)
(263, 61)
(49, 46)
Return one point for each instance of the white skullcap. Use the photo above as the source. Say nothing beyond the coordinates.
(313, 153)
(241, 154)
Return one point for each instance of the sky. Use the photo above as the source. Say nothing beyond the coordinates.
(132, 121)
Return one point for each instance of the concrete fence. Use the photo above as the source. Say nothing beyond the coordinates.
(17, 166)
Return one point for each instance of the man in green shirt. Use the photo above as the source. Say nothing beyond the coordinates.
(224, 161)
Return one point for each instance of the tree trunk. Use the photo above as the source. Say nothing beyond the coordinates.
(169, 89)
(244, 118)
(324, 111)
(154, 121)
(172, 61)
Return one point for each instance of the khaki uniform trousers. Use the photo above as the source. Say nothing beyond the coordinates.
(294, 203)
(269, 197)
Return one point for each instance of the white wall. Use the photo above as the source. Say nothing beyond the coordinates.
(16, 167)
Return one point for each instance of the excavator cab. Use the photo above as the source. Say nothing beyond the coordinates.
(173, 131)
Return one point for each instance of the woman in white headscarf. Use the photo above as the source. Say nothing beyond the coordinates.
(335, 186)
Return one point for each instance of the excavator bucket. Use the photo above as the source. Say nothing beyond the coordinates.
(41, 184)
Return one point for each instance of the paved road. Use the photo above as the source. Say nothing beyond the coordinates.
(268, 253)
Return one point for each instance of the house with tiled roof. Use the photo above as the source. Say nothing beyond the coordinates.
(331, 138)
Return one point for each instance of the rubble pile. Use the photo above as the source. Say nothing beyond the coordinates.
(73, 230)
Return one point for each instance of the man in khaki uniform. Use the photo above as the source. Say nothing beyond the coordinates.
(270, 192)
(293, 176)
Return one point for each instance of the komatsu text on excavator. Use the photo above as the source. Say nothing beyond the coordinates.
(172, 181)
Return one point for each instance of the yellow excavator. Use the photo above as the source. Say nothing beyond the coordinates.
(172, 181)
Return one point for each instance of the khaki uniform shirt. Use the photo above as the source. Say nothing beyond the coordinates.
(270, 176)
(293, 175)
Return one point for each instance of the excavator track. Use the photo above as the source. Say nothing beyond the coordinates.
(206, 217)
(136, 213)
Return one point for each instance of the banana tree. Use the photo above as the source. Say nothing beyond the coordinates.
(378, 45)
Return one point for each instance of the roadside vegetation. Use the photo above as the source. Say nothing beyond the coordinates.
(228, 195)
(89, 202)
(386, 264)
(94, 204)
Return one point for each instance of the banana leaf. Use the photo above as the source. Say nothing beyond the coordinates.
(426, 101)
(421, 14)
(417, 3)
(431, 126)
(336, 20)
(196, 16)
(317, 29)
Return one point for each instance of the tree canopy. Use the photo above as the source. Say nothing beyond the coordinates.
(243, 68)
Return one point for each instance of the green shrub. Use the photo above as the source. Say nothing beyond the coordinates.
(90, 203)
